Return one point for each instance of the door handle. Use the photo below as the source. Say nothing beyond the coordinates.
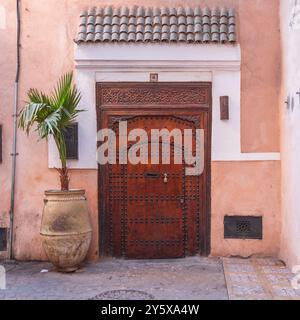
(165, 178)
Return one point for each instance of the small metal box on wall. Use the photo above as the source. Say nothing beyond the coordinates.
(3, 239)
(71, 140)
(224, 108)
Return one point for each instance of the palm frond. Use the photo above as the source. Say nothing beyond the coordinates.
(38, 97)
(62, 89)
(50, 125)
(31, 114)
(53, 113)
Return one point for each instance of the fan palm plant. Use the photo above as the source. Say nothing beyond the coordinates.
(52, 114)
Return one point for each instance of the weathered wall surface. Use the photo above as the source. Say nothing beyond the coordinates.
(246, 188)
(48, 28)
(290, 135)
(260, 36)
(7, 69)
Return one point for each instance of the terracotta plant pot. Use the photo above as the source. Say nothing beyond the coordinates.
(66, 229)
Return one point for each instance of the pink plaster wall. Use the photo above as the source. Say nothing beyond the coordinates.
(7, 66)
(260, 43)
(47, 50)
(246, 188)
(290, 137)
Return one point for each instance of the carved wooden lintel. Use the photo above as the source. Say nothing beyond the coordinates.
(136, 95)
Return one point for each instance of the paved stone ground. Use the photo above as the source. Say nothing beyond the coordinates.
(259, 279)
(192, 278)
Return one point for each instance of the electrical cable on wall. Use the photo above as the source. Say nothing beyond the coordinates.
(14, 153)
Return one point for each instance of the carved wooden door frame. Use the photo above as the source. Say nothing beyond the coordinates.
(124, 99)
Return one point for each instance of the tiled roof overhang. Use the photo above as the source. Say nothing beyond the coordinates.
(139, 24)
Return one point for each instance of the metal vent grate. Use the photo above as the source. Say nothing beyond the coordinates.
(3, 239)
(241, 227)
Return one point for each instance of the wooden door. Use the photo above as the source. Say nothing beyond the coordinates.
(154, 210)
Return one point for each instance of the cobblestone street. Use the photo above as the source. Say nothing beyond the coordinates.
(192, 278)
